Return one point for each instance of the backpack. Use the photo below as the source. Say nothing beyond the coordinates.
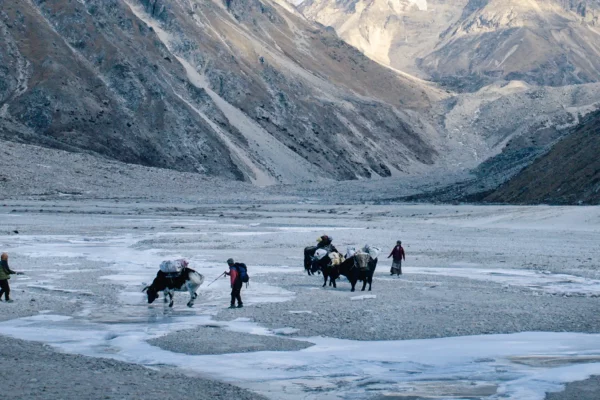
(243, 270)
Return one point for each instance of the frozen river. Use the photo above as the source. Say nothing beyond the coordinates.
(535, 266)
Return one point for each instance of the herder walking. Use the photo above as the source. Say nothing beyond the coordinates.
(5, 273)
(237, 273)
(398, 256)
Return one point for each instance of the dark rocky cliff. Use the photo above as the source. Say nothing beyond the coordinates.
(568, 174)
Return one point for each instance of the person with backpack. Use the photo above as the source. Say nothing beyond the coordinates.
(5, 273)
(325, 242)
(398, 254)
(238, 273)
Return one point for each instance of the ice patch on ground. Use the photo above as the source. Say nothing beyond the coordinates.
(364, 297)
(285, 331)
(51, 288)
(492, 364)
(545, 218)
(543, 281)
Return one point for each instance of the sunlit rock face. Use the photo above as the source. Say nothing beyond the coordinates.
(467, 44)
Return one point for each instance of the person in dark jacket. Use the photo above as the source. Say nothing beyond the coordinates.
(236, 282)
(398, 256)
(5, 273)
(325, 242)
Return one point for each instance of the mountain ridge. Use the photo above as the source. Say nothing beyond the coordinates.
(468, 44)
(94, 76)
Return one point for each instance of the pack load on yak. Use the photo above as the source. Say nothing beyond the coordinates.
(350, 251)
(336, 258)
(320, 254)
(362, 260)
(371, 251)
(173, 268)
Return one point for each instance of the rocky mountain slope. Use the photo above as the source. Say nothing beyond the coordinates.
(544, 42)
(521, 74)
(568, 174)
(395, 33)
(240, 89)
(467, 44)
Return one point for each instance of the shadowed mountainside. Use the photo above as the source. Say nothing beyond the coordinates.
(568, 174)
(245, 90)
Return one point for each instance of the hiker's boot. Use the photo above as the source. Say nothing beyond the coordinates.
(232, 306)
(9, 301)
(240, 305)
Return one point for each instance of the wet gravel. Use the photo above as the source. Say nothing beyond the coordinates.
(418, 307)
(413, 306)
(588, 389)
(30, 370)
(213, 340)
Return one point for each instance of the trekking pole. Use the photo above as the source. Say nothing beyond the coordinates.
(218, 277)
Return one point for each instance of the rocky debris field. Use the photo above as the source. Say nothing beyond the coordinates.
(416, 306)
(34, 371)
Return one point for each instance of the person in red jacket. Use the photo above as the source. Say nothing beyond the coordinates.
(398, 254)
(236, 283)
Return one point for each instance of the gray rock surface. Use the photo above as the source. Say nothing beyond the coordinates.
(582, 390)
(34, 371)
(568, 174)
(215, 340)
(466, 45)
(416, 306)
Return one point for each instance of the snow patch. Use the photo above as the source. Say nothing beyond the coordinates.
(364, 297)
(285, 331)
(543, 281)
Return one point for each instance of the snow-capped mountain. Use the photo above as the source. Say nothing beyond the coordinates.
(393, 32)
(467, 44)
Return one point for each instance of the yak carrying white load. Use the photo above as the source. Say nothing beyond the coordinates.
(372, 251)
(362, 260)
(173, 267)
(364, 255)
(320, 254)
(350, 251)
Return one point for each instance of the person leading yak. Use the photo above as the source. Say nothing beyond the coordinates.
(398, 256)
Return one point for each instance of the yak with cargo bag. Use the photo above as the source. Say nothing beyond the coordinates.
(360, 266)
(328, 264)
(174, 276)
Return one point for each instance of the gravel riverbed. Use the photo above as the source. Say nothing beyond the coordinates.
(470, 271)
